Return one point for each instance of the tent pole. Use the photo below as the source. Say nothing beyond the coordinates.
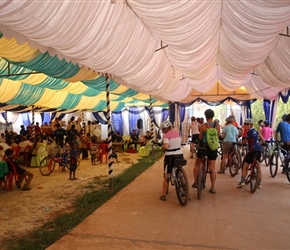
(33, 125)
(110, 162)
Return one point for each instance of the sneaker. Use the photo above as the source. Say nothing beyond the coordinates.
(163, 197)
(222, 171)
(194, 185)
(259, 185)
(241, 184)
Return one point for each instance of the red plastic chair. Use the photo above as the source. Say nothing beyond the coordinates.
(26, 152)
(16, 151)
(104, 148)
(9, 177)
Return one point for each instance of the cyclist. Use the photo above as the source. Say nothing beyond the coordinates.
(194, 129)
(212, 155)
(172, 148)
(229, 135)
(284, 129)
(267, 132)
(254, 151)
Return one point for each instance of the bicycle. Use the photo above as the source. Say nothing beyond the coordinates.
(178, 178)
(283, 155)
(265, 154)
(47, 164)
(253, 176)
(234, 162)
(203, 170)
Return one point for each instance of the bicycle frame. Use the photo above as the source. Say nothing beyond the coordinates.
(203, 170)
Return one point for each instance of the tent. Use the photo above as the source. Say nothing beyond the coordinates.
(164, 49)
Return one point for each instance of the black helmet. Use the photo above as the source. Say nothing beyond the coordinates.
(209, 113)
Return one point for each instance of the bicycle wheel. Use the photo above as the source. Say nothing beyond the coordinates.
(234, 165)
(254, 178)
(181, 186)
(199, 182)
(288, 174)
(273, 164)
(47, 165)
(262, 157)
(267, 155)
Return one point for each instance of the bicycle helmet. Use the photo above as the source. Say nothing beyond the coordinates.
(165, 124)
(216, 121)
(284, 116)
(209, 113)
(231, 118)
(249, 120)
(267, 122)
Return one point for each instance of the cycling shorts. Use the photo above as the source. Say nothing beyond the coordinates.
(211, 155)
(249, 158)
(169, 161)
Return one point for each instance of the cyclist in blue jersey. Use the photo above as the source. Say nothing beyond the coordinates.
(255, 150)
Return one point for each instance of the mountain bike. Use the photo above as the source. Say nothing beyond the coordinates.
(266, 153)
(178, 178)
(254, 176)
(234, 162)
(281, 154)
(203, 171)
(47, 164)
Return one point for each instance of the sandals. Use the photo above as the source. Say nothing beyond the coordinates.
(212, 191)
(163, 197)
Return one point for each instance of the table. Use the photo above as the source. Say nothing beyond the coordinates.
(3, 170)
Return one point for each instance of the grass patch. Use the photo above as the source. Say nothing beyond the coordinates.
(96, 195)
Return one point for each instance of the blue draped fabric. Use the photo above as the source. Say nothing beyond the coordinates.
(285, 97)
(61, 116)
(272, 118)
(165, 114)
(26, 119)
(182, 115)
(248, 109)
(99, 118)
(45, 117)
(266, 106)
(4, 115)
(172, 112)
(117, 122)
(134, 115)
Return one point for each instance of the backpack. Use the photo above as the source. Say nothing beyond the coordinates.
(212, 137)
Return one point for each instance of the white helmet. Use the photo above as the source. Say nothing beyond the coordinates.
(249, 120)
(165, 124)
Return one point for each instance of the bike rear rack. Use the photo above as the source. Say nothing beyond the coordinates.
(180, 162)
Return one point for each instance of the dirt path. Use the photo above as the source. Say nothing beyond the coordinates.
(23, 211)
(232, 218)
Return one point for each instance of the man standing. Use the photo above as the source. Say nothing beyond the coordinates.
(211, 154)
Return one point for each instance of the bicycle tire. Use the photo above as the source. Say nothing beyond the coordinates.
(288, 175)
(199, 182)
(46, 165)
(254, 178)
(267, 156)
(262, 157)
(273, 164)
(234, 165)
(181, 186)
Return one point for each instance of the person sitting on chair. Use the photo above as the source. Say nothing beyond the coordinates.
(134, 138)
(22, 172)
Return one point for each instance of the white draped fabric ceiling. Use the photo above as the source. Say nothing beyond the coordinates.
(163, 48)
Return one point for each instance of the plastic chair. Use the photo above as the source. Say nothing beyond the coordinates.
(104, 148)
(16, 151)
(10, 175)
(25, 155)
